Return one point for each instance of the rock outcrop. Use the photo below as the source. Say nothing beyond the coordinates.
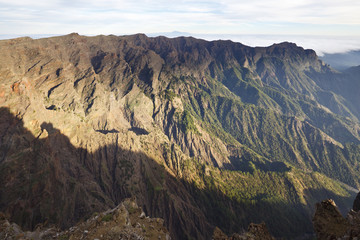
(254, 232)
(126, 221)
(330, 224)
(328, 221)
(356, 204)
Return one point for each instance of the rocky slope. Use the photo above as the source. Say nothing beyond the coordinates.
(330, 224)
(255, 232)
(193, 129)
(126, 221)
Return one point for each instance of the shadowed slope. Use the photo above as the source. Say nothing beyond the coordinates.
(49, 180)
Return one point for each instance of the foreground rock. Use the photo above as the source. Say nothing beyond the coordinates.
(126, 221)
(330, 224)
(255, 232)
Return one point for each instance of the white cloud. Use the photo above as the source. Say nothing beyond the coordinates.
(306, 11)
(204, 16)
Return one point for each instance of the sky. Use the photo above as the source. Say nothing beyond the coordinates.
(256, 21)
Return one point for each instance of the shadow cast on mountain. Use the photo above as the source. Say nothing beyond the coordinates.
(46, 180)
(343, 203)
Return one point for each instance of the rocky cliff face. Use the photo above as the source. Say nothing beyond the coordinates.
(193, 129)
(330, 224)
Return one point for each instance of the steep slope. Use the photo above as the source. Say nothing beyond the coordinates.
(126, 221)
(193, 129)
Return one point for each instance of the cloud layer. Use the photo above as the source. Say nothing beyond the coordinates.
(210, 16)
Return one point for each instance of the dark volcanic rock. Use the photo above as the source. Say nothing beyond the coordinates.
(219, 235)
(259, 231)
(255, 232)
(328, 221)
(356, 205)
(330, 224)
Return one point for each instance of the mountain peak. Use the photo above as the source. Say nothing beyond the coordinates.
(285, 44)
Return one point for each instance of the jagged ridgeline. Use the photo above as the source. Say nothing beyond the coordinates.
(203, 134)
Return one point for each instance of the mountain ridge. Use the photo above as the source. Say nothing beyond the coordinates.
(205, 112)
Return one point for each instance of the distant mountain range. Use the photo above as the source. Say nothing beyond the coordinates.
(203, 134)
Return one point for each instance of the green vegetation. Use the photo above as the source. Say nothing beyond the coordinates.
(158, 188)
(233, 199)
(169, 95)
(187, 123)
(64, 237)
(277, 133)
(107, 217)
(280, 126)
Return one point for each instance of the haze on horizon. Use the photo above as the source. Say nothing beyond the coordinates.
(323, 25)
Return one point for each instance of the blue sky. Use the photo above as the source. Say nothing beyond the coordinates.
(327, 18)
